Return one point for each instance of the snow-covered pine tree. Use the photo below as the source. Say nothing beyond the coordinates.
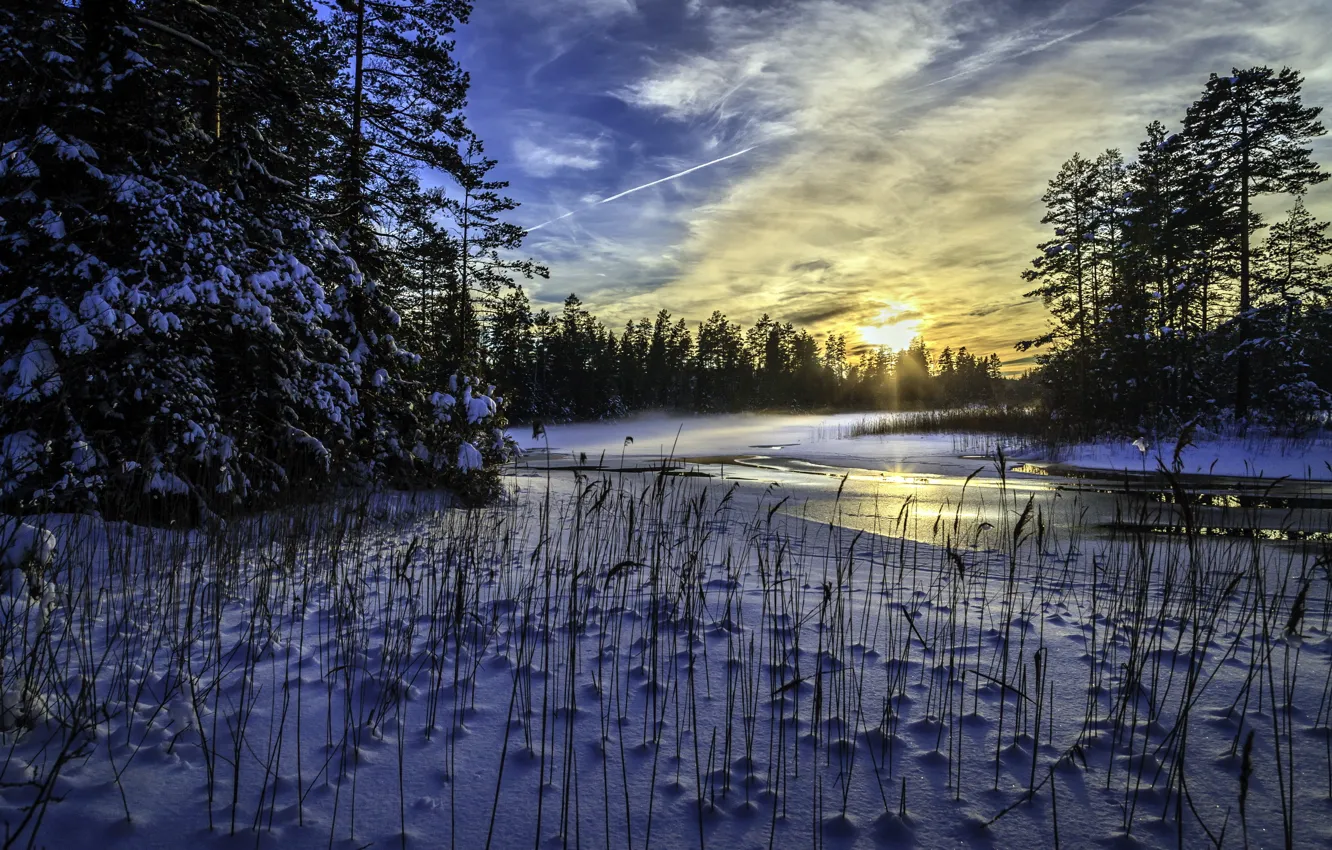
(92, 388)
(403, 98)
(175, 324)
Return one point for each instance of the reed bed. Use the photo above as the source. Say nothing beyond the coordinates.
(652, 660)
(1027, 421)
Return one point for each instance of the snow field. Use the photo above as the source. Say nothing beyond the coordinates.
(633, 661)
(1256, 457)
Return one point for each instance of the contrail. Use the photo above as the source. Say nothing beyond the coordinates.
(1029, 50)
(644, 186)
(1023, 52)
(552, 221)
(677, 174)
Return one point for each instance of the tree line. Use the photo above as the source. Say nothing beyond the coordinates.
(1168, 303)
(569, 365)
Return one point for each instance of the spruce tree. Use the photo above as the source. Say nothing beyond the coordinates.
(175, 320)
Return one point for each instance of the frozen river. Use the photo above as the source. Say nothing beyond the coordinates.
(864, 482)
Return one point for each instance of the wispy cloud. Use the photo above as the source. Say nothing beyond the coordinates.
(902, 148)
(768, 72)
(545, 159)
(928, 197)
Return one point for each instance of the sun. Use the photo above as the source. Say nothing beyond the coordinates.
(895, 327)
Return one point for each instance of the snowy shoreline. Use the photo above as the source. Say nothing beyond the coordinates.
(820, 438)
(1230, 458)
(660, 662)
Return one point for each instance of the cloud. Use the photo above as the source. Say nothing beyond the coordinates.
(905, 145)
(771, 72)
(552, 157)
(900, 147)
(821, 315)
(562, 15)
(991, 309)
(811, 266)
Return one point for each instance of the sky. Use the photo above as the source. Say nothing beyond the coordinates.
(867, 167)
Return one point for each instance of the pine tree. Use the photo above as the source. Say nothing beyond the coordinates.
(484, 267)
(1072, 265)
(1292, 284)
(1253, 128)
(1291, 269)
(1174, 253)
(404, 106)
(513, 353)
(1064, 269)
(913, 375)
(721, 367)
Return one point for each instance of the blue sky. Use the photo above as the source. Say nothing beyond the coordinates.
(894, 151)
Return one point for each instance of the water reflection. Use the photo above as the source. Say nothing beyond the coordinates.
(923, 486)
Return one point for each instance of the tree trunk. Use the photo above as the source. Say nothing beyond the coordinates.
(1242, 374)
(212, 118)
(464, 295)
(357, 154)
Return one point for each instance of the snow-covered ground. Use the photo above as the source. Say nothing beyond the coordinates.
(1252, 457)
(635, 661)
(809, 437)
(821, 438)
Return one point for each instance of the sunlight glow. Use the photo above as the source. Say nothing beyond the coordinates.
(895, 327)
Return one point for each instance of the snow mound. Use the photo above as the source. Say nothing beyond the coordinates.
(22, 544)
(468, 457)
(478, 406)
